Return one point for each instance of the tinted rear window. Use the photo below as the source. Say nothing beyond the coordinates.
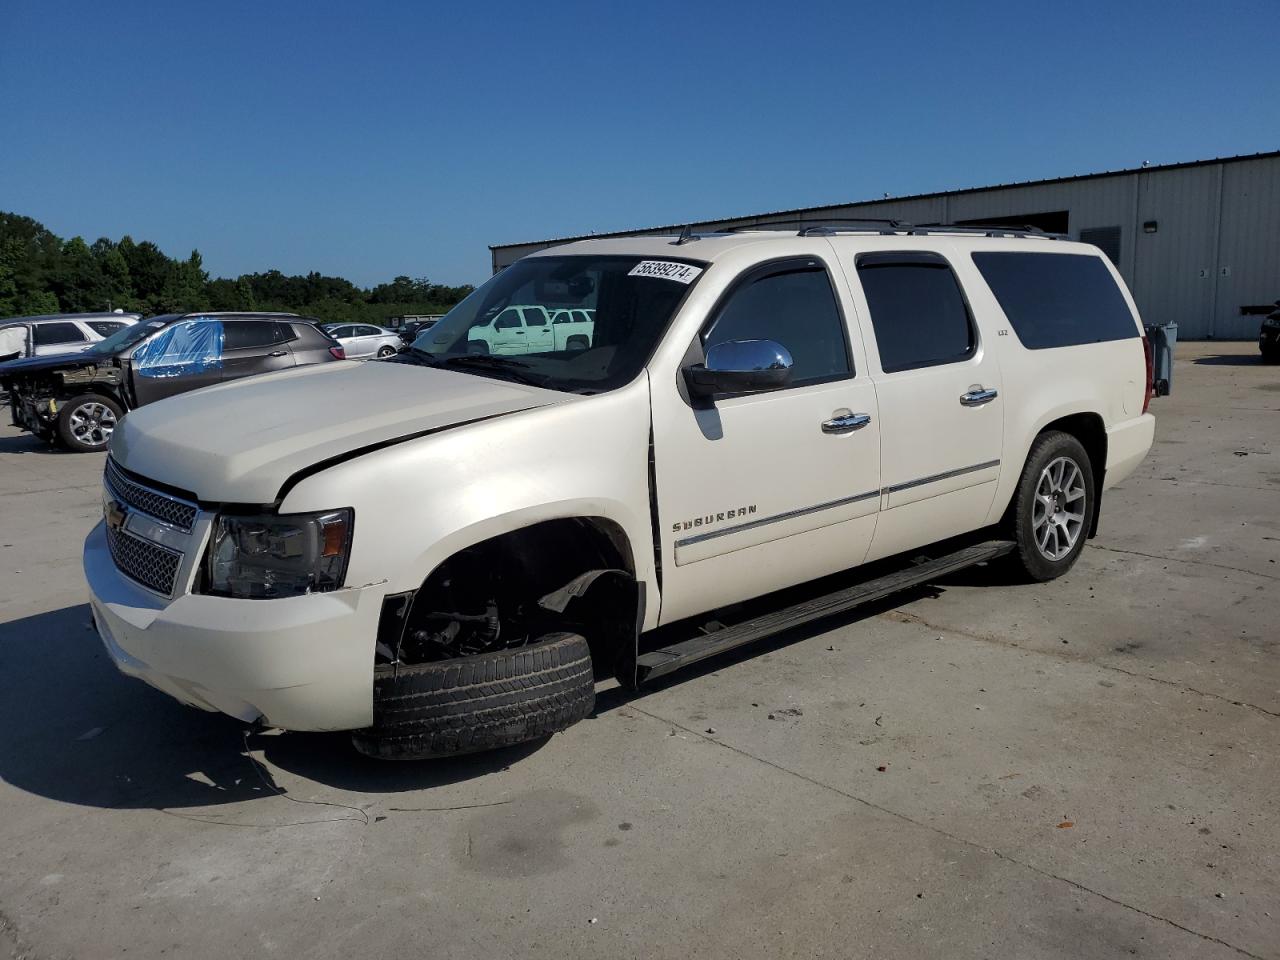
(1057, 299)
(246, 334)
(917, 310)
(48, 334)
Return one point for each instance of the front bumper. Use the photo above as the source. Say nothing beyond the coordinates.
(299, 663)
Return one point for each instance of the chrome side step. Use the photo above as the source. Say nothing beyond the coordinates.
(657, 663)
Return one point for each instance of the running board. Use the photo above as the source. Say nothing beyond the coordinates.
(656, 663)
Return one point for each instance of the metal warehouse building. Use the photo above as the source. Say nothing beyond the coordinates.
(1198, 243)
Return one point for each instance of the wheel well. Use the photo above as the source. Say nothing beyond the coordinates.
(1089, 429)
(575, 573)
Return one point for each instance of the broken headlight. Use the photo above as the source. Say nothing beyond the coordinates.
(267, 556)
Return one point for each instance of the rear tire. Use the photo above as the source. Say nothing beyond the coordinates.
(1053, 507)
(577, 343)
(384, 352)
(86, 422)
(484, 702)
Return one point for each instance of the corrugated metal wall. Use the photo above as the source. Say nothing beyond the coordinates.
(1215, 246)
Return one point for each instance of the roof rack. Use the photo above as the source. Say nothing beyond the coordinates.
(989, 230)
(829, 227)
(819, 228)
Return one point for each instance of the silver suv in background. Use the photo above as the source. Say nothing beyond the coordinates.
(54, 333)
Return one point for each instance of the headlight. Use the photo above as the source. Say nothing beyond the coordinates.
(268, 556)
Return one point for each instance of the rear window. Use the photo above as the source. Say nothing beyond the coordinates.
(917, 310)
(48, 334)
(1057, 299)
(246, 334)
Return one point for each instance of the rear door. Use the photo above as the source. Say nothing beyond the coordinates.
(369, 340)
(538, 334)
(253, 346)
(57, 336)
(939, 389)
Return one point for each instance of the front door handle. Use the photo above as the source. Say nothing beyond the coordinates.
(977, 397)
(277, 353)
(846, 424)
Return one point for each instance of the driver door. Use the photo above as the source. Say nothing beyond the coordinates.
(508, 333)
(181, 357)
(765, 490)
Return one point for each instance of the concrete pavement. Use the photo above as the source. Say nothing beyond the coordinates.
(1086, 768)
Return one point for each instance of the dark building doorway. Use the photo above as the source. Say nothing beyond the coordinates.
(1055, 221)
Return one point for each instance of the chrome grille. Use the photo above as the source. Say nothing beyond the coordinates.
(148, 563)
(171, 510)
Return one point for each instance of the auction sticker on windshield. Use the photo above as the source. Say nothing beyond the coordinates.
(666, 270)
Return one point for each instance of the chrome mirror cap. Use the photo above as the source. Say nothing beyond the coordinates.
(741, 366)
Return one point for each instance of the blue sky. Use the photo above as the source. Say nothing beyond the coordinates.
(373, 139)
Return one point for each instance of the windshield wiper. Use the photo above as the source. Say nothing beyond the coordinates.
(516, 369)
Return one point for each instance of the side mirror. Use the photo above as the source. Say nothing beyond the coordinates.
(741, 366)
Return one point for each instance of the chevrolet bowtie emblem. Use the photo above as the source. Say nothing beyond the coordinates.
(115, 513)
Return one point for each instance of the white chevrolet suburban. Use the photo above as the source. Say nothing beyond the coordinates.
(443, 551)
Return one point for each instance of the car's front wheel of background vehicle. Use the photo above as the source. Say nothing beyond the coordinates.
(85, 423)
(1053, 506)
(491, 700)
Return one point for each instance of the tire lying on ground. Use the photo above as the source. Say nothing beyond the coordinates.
(491, 700)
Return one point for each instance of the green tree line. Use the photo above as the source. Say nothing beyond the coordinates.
(42, 273)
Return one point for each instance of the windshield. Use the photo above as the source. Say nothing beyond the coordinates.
(127, 337)
(617, 309)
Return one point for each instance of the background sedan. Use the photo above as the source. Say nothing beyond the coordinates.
(361, 341)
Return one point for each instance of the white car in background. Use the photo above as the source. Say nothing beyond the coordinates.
(363, 341)
(54, 333)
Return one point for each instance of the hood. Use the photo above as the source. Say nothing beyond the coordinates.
(241, 442)
(58, 361)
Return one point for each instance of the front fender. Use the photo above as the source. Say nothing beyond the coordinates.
(419, 502)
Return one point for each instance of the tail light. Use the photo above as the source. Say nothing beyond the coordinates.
(1150, 360)
(339, 354)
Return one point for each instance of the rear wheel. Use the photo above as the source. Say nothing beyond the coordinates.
(384, 352)
(577, 342)
(85, 423)
(483, 702)
(1053, 507)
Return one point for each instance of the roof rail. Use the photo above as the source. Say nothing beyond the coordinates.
(988, 230)
(818, 228)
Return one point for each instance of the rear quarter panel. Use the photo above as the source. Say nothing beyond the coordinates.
(1041, 386)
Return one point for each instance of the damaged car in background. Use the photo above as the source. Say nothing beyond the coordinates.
(443, 552)
(79, 398)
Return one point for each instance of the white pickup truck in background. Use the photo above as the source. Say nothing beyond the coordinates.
(533, 329)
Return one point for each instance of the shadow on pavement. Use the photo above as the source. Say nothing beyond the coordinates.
(75, 730)
(27, 443)
(1230, 360)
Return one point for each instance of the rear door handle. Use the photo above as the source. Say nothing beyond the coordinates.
(846, 424)
(976, 398)
(277, 353)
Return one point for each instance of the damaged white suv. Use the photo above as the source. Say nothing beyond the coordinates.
(442, 552)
